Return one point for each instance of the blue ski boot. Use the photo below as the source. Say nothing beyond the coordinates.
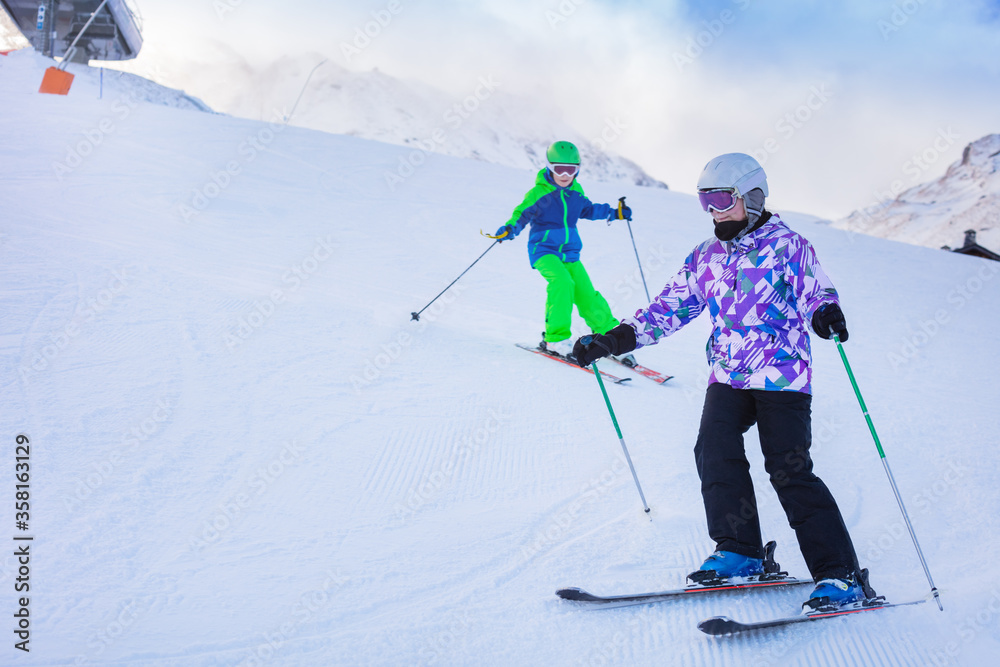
(831, 594)
(723, 566)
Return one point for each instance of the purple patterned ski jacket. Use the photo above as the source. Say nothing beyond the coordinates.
(760, 292)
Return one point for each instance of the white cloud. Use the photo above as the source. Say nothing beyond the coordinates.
(691, 79)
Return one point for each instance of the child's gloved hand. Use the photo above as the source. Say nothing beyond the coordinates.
(620, 340)
(505, 233)
(623, 212)
(829, 320)
(589, 349)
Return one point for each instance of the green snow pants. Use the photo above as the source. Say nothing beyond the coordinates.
(569, 284)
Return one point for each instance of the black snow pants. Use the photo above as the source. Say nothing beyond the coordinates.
(783, 420)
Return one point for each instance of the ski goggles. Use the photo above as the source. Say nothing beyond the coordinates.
(564, 169)
(719, 199)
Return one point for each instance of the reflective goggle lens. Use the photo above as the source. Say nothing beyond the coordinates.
(565, 169)
(721, 199)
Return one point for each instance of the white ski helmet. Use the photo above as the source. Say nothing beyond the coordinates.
(733, 170)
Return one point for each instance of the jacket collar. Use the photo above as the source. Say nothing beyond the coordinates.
(750, 240)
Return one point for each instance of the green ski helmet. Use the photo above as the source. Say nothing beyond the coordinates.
(562, 152)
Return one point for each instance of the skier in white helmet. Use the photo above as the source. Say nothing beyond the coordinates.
(764, 288)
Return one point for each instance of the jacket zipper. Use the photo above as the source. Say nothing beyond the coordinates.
(562, 197)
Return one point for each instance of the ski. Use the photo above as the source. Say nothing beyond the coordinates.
(629, 362)
(564, 360)
(723, 625)
(598, 601)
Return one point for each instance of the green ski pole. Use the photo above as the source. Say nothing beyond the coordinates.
(885, 464)
(614, 420)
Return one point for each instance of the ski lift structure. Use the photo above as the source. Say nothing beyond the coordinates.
(54, 28)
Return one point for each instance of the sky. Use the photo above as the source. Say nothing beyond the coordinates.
(844, 103)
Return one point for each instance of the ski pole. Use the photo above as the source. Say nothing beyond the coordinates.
(628, 222)
(885, 464)
(416, 315)
(614, 420)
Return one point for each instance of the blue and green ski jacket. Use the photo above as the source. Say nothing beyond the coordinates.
(553, 213)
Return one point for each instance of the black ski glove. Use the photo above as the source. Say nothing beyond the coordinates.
(589, 349)
(829, 320)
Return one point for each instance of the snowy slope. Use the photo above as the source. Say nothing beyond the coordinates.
(484, 123)
(938, 212)
(25, 68)
(245, 453)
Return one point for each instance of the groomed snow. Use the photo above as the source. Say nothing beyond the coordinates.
(243, 452)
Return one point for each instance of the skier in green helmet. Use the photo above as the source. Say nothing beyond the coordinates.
(552, 208)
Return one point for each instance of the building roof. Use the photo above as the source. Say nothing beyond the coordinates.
(974, 249)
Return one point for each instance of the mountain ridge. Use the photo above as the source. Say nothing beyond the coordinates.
(938, 212)
(486, 124)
